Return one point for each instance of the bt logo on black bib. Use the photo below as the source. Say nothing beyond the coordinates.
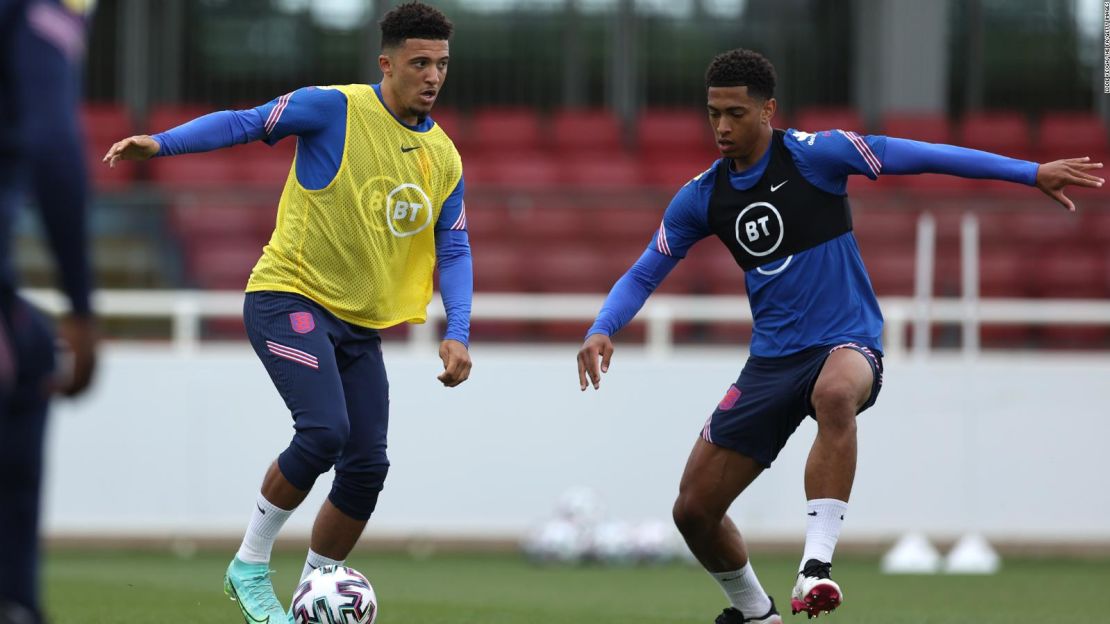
(759, 229)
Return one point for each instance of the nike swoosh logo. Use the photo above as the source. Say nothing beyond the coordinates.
(247, 614)
(260, 509)
(405, 150)
(729, 579)
(775, 187)
(812, 513)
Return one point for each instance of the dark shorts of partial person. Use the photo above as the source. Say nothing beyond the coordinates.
(332, 377)
(760, 412)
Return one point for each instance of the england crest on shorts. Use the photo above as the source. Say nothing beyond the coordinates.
(302, 322)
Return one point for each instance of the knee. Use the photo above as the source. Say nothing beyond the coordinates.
(313, 452)
(325, 443)
(355, 491)
(836, 404)
(692, 517)
(331, 440)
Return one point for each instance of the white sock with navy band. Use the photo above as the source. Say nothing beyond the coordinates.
(266, 522)
(314, 561)
(744, 591)
(824, 517)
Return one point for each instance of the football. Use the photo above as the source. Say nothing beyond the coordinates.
(335, 595)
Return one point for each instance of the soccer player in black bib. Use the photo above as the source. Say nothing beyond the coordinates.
(777, 201)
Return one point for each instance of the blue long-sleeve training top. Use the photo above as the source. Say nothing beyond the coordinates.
(317, 117)
(821, 295)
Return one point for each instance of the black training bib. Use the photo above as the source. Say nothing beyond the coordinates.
(779, 216)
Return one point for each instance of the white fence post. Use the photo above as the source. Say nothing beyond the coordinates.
(923, 284)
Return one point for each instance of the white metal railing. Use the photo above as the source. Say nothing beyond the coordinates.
(186, 310)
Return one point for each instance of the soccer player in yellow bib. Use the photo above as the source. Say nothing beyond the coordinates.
(373, 203)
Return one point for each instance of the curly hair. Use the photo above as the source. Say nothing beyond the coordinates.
(742, 68)
(414, 20)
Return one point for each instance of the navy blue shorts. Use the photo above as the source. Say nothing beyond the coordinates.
(770, 399)
(332, 377)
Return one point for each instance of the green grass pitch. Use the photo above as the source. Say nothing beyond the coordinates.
(93, 587)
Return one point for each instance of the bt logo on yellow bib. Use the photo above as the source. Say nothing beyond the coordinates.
(408, 210)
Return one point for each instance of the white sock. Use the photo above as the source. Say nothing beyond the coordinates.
(266, 521)
(824, 518)
(314, 561)
(744, 591)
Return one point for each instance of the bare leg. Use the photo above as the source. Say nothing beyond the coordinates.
(279, 491)
(713, 478)
(334, 533)
(842, 388)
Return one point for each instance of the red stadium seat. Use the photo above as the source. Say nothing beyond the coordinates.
(891, 268)
(708, 269)
(1001, 132)
(499, 267)
(573, 268)
(479, 169)
(1004, 271)
(526, 171)
(664, 132)
(506, 130)
(668, 172)
(1070, 272)
(598, 172)
(816, 119)
(268, 173)
(591, 132)
(931, 128)
(878, 227)
(202, 219)
(636, 225)
(1067, 135)
(105, 178)
(104, 124)
(1030, 228)
(451, 121)
(222, 264)
(196, 171)
(166, 116)
(1096, 227)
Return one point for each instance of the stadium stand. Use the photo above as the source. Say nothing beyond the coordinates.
(569, 187)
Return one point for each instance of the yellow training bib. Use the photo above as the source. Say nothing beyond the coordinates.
(364, 246)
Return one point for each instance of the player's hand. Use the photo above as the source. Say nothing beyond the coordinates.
(456, 363)
(139, 147)
(597, 346)
(1053, 176)
(79, 336)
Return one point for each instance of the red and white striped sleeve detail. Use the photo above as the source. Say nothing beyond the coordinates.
(460, 223)
(275, 114)
(864, 150)
(661, 244)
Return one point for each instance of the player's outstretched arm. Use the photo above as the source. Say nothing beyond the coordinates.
(1053, 177)
(593, 359)
(139, 147)
(456, 363)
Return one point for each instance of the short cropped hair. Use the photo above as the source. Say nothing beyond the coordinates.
(742, 68)
(414, 20)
